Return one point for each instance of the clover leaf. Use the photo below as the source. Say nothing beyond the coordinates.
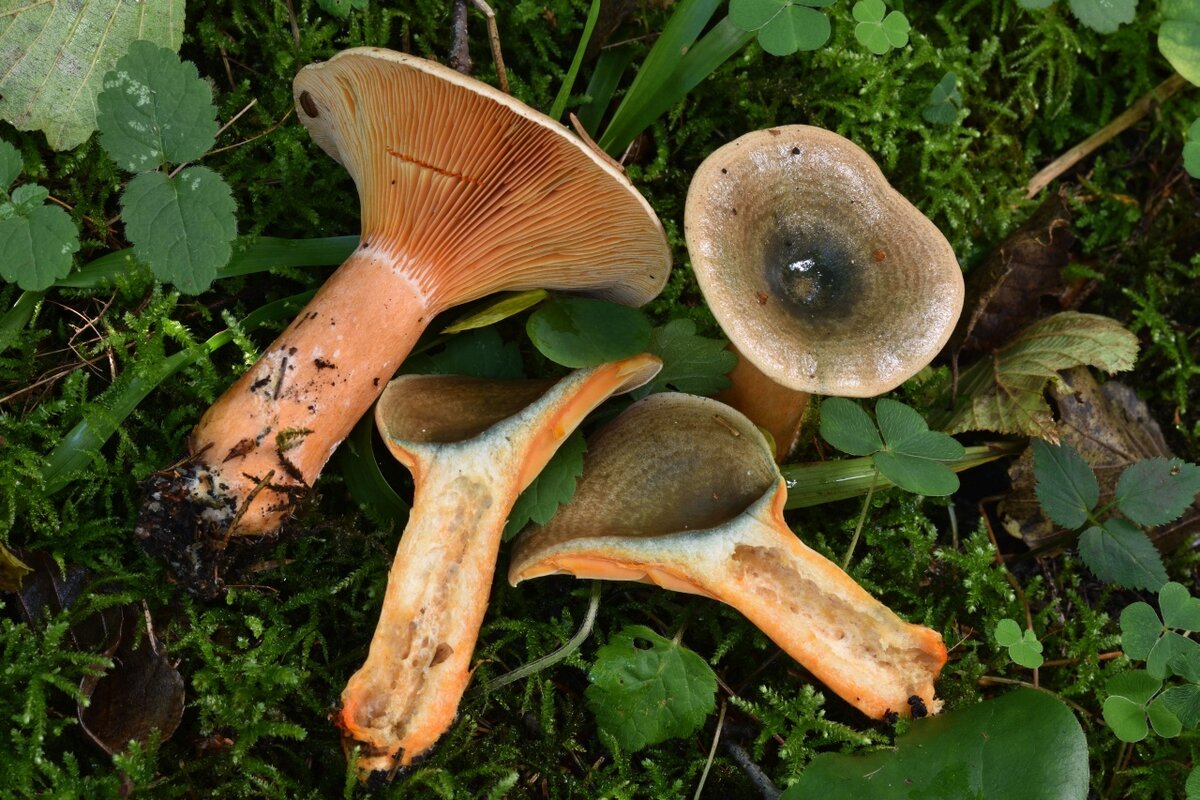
(944, 103)
(876, 32)
(1125, 708)
(783, 26)
(908, 453)
(1023, 646)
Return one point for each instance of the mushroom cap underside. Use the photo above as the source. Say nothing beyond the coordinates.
(472, 192)
(822, 274)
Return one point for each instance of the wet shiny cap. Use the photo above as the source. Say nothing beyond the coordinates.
(820, 272)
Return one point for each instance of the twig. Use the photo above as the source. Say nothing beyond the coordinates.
(236, 117)
(753, 771)
(1141, 107)
(1067, 662)
(255, 137)
(460, 51)
(582, 133)
(291, 9)
(494, 39)
(712, 752)
(992, 680)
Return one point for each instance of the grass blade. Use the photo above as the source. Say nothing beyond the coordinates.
(610, 66)
(564, 92)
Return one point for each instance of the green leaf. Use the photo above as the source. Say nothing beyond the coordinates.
(11, 165)
(553, 486)
(508, 305)
(795, 28)
(1172, 651)
(1192, 785)
(1157, 490)
(180, 227)
(38, 243)
(480, 353)
(905, 432)
(1140, 630)
(1184, 703)
(581, 332)
(1104, 16)
(28, 197)
(944, 102)
(1179, 38)
(1066, 486)
(691, 363)
(878, 33)
(1164, 721)
(56, 55)
(1035, 5)
(1136, 685)
(917, 475)
(155, 109)
(1025, 745)
(750, 15)
(1179, 609)
(1121, 553)
(1004, 392)
(365, 479)
(12, 570)
(342, 8)
(1191, 148)
(847, 427)
(1126, 718)
(647, 689)
(1007, 632)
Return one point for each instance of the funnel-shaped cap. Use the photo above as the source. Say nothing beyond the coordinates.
(817, 269)
(474, 192)
(681, 491)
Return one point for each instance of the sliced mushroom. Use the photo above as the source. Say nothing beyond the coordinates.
(822, 275)
(473, 446)
(682, 492)
(464, 191)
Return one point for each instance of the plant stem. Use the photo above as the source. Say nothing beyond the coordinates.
(712, 752)
(1126, 119)
(861, 519)
(991, 680)
(539, 664)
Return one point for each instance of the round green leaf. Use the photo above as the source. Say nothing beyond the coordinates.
(895, 27)
(1135, 685)
(750, 15)
(1170, 651)
(154, 109)
(1126, 718)
(868, 10)
(1184, 703)
(1157, 490)
(1179, 609)
(581, 332)
(1179, 37)
(1164, 721)
(847, 427)
(796, 28)
(11, 165)
(917, 475)
(1007, 632)
(1140, 629)
(1025, 745)
(181, 227)
(1066, 485)
(1104, 16)
(38, 244)
(1192, 785)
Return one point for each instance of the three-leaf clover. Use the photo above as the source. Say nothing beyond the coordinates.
(155, 111)
(1131, 701)
(783, 26)
(908, 454)
(646, 688)
(1023, 646)
(876, 32)
(38, 240)
(945, 101)
(1151, 492)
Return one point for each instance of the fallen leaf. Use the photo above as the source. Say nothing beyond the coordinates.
(12, 571)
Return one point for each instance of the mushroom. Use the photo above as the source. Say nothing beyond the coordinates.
(682, 492)
(825, 278)
(473, 446)
(463, 192)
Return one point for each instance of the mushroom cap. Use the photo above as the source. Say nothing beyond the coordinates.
(474, 192)
(820, 273)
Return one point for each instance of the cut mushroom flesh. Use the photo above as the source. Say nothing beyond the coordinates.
(819, 272)
(472, 447)
(682, 492)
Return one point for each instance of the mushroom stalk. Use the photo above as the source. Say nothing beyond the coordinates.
(470, 459)
(681, 492)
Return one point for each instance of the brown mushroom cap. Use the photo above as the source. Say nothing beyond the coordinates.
(820, 273)
(473, 190)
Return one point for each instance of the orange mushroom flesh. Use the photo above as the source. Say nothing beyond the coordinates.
(682, 492)
(821, 274)
(775, 408)
(463, 192)
(472, 446)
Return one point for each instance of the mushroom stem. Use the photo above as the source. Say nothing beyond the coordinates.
(306, 392)
(777, 409)
(406, 694)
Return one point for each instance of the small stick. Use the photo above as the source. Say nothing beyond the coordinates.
(712, 752)
(460, 52)
(291, 9)
(494, 39)
(582, 133)
(1141, 107)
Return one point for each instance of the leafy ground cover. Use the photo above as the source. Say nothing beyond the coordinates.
(113, 341)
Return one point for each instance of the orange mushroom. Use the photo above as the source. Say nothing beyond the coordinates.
(464, 192)
(682, 492)
(473, 446)
(825, 278)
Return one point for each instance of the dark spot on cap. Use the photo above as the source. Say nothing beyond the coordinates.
(309, 105)
(813, 275)
(878, 256)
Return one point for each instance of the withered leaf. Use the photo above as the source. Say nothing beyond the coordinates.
(12, 570)
(142, 693)
(1003, 391)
